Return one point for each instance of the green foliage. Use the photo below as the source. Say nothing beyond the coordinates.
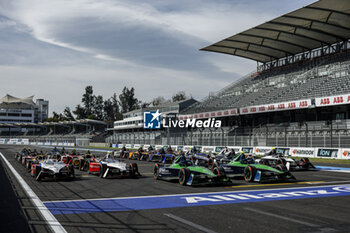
(181, 95)
(127, 100)
(109, 110)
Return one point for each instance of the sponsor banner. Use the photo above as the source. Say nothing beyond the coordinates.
(332, 100)
(327, 153)
(303, 152)
(13, 141)
(2, 141)
(180, 148)
(344, 154)
(137, 146)
(191, 200)
(208, 149)
(262, 150)
(248, 150)
(203, 115)
(157, 147)
(128, 146)
(298, 104)
(114, 145)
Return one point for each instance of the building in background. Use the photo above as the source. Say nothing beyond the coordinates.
(23, 110)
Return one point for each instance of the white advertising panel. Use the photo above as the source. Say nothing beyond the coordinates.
(332, 100)
(303, 152)
(297, 104)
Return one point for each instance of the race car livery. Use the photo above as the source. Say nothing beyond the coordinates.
(187, 173)
(253, 172)
(52, 168)
(110, 167)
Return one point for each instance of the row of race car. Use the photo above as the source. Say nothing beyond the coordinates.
(189, 168)
(61, 164)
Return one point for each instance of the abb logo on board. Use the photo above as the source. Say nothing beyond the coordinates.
(333, 100)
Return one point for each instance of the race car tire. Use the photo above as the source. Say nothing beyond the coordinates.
(133, 169)
(81, 165)
(184, 174)
(249, 173)
(219, 171)
(281, 161)
(72, 173)
(265, 162)
(76, 162)
(36, 173)
(156, 171)
(282, 168)
(103, 170)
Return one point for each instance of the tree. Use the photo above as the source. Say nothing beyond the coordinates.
(181, 95)
(127, 100)
(158, 101)
(67, 114)
(80, 112)
(98, 107)
(88, 100)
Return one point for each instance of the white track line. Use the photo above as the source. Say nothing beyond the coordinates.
(282, 217)
(55, 226)
(196, 226)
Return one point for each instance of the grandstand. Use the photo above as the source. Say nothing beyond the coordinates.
(298, 96)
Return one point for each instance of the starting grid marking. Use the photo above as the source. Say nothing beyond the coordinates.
(190, 200)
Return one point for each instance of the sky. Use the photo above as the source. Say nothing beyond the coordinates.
(53, 49)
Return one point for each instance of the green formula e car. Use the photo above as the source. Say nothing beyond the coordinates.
(187, 173)
(241, 165)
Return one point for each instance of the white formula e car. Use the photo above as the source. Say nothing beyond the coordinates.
(110, 167)
(273, 159)
(53, 169)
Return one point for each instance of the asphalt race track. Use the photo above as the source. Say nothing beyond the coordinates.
(319, 201)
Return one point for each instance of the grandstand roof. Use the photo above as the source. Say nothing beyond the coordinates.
(322, 23)
(9, 99)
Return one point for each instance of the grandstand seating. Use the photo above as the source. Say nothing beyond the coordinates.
(320, 77)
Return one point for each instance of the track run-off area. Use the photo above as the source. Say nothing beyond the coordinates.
(319, 201)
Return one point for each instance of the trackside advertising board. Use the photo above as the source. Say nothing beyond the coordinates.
(344, 154)
(327, 153)
(332, 100)
(298, 104)
(303, 152)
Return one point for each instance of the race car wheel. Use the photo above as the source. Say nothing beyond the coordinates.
(249, 173)
(281, 161)
(265, 162)
(76, 162)
(281, 167)
(219, 171)
(103, 170)
(81, 164)
(156, 171)
(184, 174)
(133, 169)
(72, 172)
(36, 173)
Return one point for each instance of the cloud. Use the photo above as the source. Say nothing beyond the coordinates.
(64, 45)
